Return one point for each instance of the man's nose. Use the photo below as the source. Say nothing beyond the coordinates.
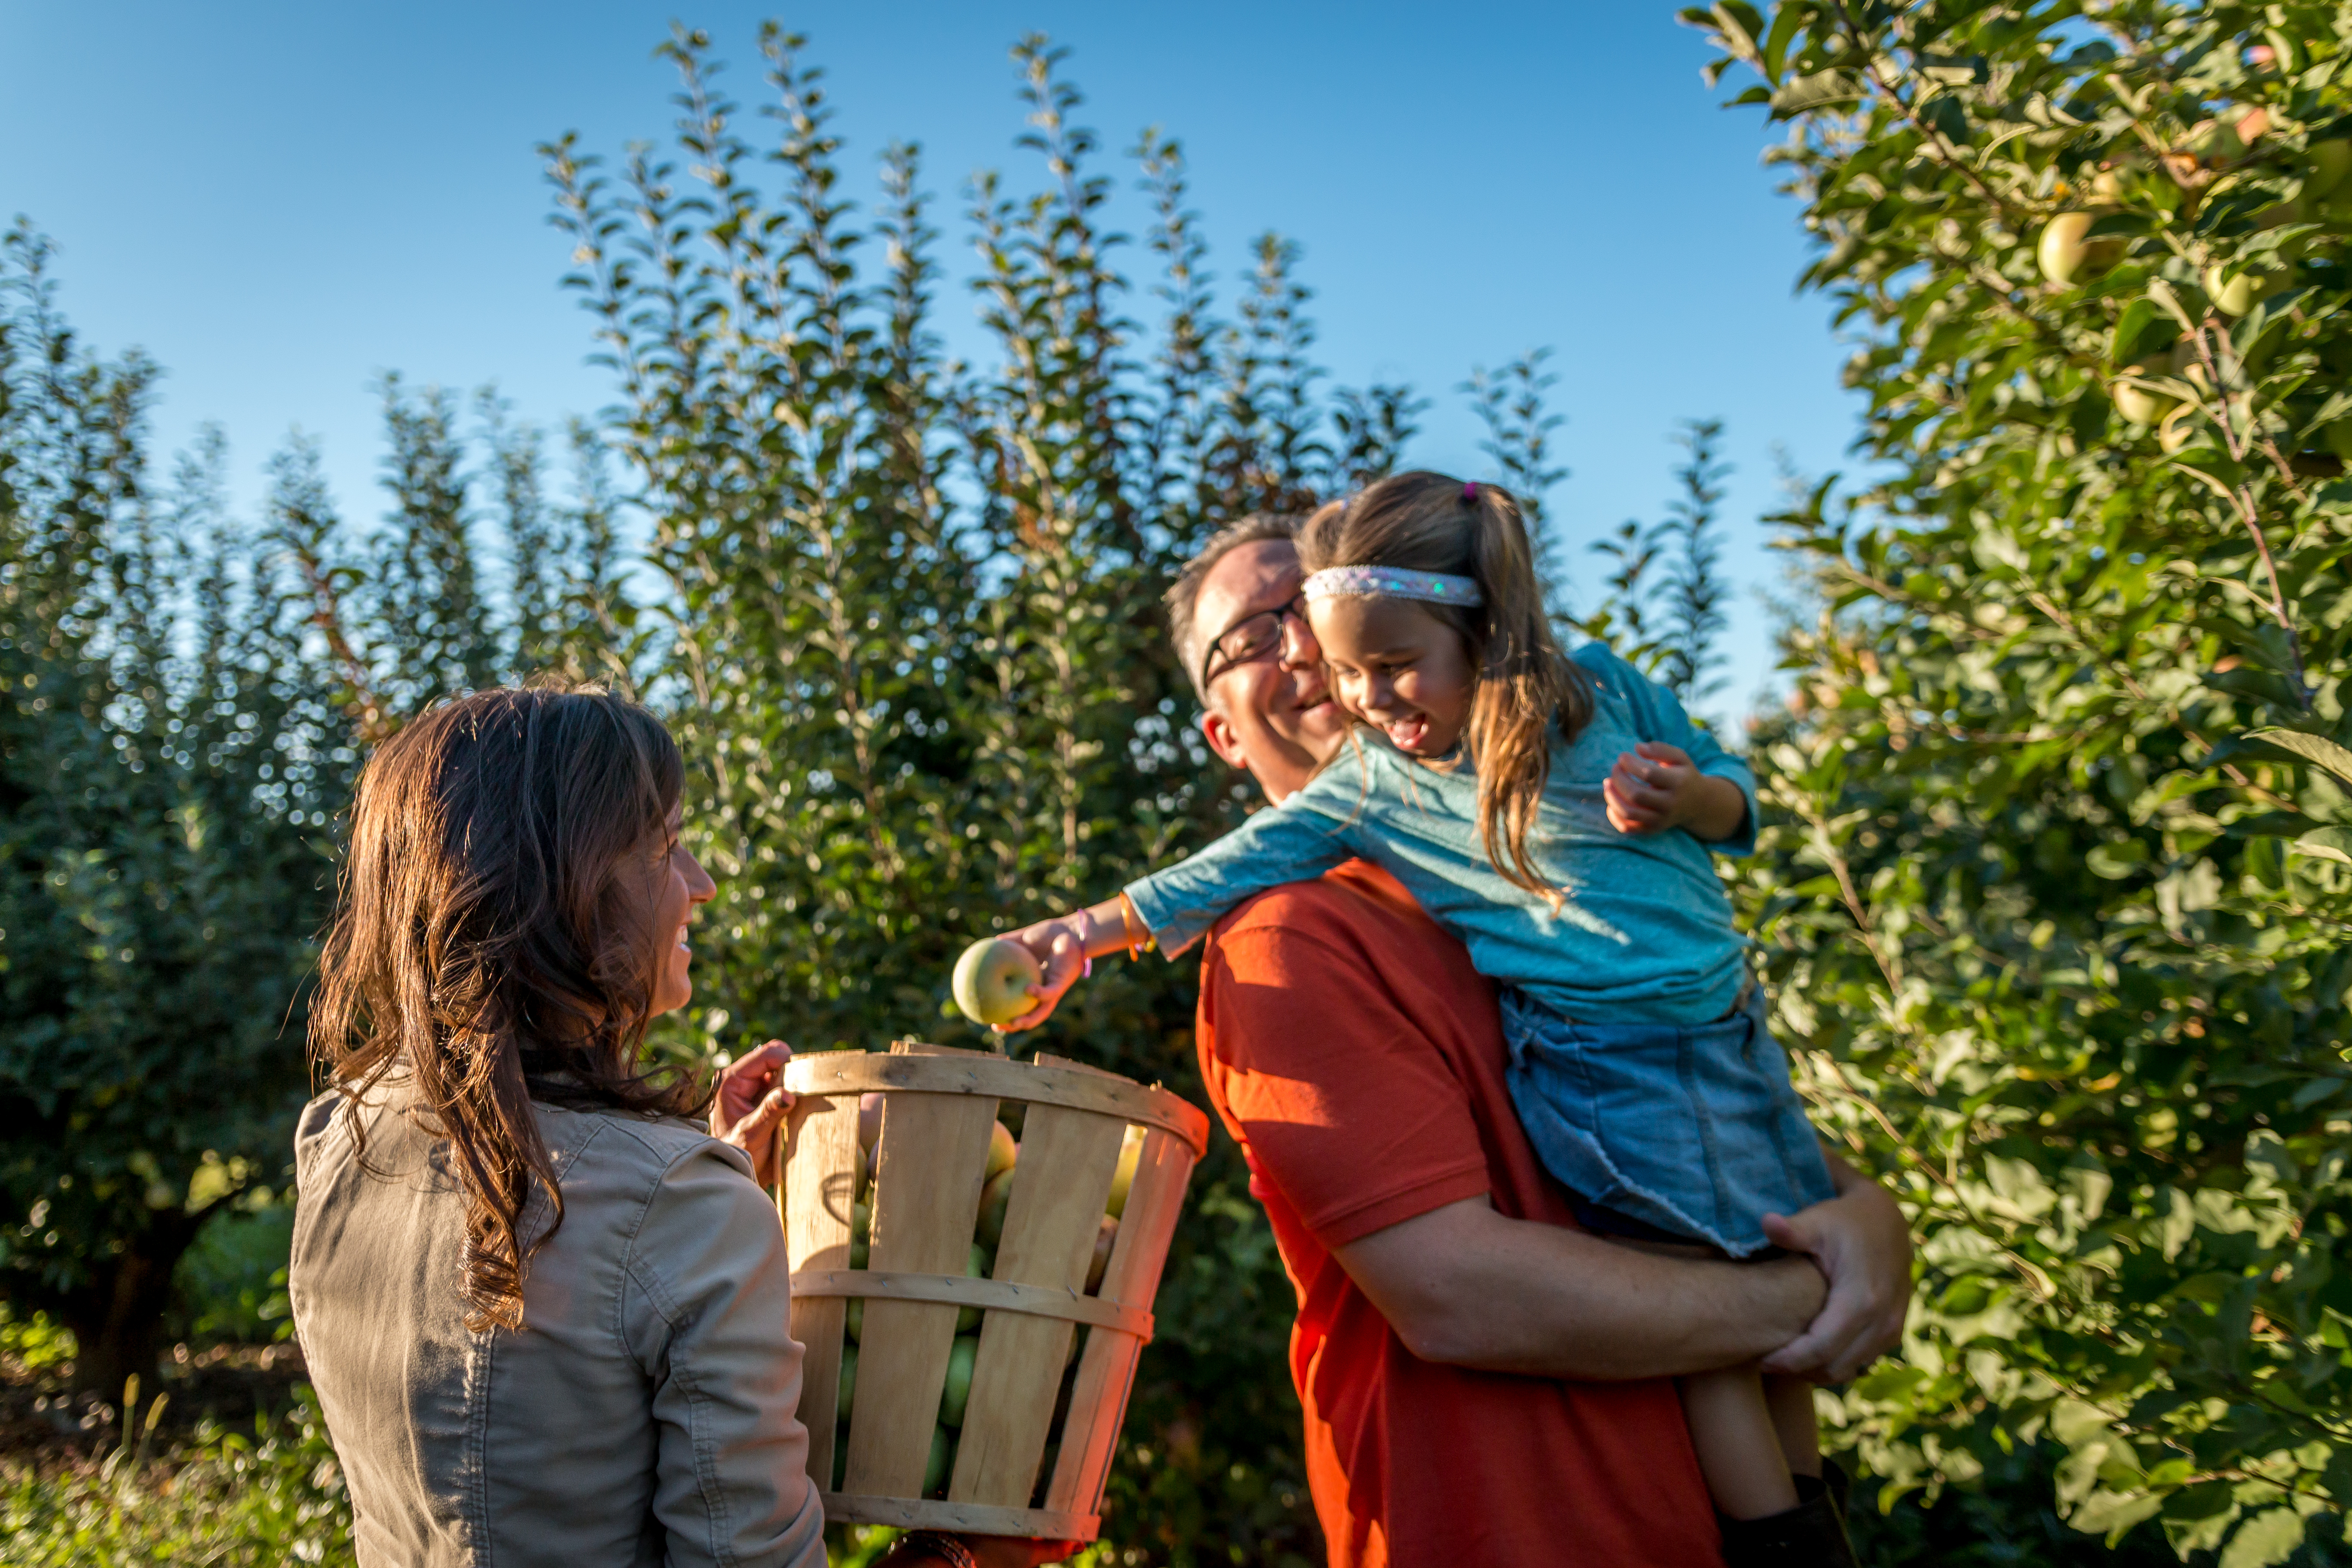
(1299, 647)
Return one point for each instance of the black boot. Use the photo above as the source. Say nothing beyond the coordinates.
(1833, 1479)
(1810, 1535)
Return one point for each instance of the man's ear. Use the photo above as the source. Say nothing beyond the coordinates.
(1219, 732)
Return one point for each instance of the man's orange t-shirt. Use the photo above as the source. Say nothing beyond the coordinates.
(1357, 1057)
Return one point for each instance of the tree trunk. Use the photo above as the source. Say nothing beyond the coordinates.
(116, 1318)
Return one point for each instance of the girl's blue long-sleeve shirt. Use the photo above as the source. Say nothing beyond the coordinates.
(1644, 930)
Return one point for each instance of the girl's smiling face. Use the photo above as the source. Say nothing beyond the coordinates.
(1398, 668)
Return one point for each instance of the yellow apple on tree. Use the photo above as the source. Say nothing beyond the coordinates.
(2230, 296)
(2063, 248)
(992, 979)
(2137, 404)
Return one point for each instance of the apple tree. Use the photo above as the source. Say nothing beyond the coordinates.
(2057, 901)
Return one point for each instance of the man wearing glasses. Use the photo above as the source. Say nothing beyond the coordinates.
(1354, 1053)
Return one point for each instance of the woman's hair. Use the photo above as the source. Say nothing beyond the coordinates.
(491, 944)
(1422, 522)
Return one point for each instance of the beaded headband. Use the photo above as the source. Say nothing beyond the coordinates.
(1389, 583)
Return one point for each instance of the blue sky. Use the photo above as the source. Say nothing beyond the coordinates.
(278, 202)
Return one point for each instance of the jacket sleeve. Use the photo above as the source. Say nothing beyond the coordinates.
(705, 1300)
(1658, 715)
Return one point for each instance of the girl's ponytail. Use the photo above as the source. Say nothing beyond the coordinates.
(1427, 522)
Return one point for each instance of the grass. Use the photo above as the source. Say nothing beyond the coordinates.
(224, 1500)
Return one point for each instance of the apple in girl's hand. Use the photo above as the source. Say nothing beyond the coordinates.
(992, 979)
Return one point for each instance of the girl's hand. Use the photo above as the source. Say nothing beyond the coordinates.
(751, 1105)
(1649, 790)
(1059, 945)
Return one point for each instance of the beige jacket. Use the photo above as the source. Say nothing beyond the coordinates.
(644, 1413)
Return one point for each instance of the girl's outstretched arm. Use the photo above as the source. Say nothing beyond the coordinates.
(1064, 945)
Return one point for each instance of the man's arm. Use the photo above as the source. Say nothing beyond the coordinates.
(1862, 1242)
(1464, 1285)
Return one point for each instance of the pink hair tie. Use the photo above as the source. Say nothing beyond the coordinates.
(1470, 493)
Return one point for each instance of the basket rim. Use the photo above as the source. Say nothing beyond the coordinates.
(828, 1074)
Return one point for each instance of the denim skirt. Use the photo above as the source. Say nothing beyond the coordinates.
(1694, 1131)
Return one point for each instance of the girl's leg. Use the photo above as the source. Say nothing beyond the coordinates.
(1790, 1400)
(1739, 1443)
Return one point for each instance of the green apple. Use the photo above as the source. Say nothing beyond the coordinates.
(2063, 248)
(975, 1266)
(1001, 1150)
(840, 1455)
(2139, 405)
(849, 1382)
(1130, 1151)
(2331, 162)
(861, 1229)
(1106, 1237)
(992, 979)
(936, 1470)
(2230, 296)
(853, 1321)
(958, 1391)
(992, 1199)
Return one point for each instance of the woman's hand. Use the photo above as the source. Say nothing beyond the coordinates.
(1861, 1244)
(751, 1105)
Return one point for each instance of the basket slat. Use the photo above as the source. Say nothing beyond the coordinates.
(820, 1155)
(1056, 1207)
(927, 1201)
(1106, 1372)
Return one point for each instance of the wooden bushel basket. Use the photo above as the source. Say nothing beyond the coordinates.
(939, 1105)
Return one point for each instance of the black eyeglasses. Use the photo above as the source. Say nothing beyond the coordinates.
(1250, 638)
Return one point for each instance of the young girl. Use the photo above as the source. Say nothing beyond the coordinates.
(1556, 814)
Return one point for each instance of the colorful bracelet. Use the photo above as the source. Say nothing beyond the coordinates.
(1137, 946)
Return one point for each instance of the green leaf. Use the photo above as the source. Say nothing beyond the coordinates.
(2315, 749)
(2326, 844)
(2270, 1536)
(1822, 89)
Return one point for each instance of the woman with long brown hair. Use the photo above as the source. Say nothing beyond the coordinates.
(543, 1306)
